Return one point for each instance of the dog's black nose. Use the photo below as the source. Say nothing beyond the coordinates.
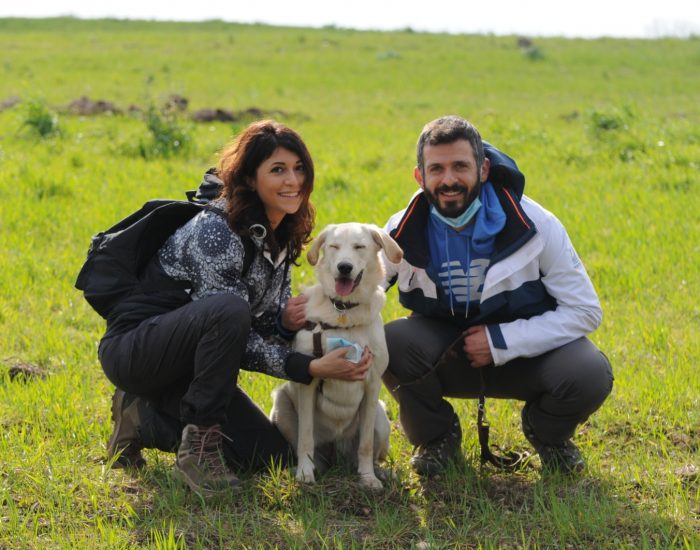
(344, 268)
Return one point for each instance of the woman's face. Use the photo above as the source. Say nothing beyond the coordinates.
(279, 181)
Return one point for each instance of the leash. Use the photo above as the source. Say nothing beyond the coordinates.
(318, 342)
(512, 460)
(317, 336)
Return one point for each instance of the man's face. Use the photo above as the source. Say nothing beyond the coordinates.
(450, 181)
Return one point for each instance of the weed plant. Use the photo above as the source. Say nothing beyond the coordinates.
(39, 119)
(607, 134)
(168, 136)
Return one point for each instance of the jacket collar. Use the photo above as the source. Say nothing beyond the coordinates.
(411, 233)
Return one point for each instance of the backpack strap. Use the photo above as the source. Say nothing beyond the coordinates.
(210, 189)
(248, 244)
(249, 253)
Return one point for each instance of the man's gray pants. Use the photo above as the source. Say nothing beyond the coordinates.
(560, 388)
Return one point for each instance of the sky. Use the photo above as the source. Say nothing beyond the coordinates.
(570, 18)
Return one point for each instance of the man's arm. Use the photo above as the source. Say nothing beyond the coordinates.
(577, 313)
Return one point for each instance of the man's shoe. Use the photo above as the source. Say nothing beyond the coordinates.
(565, 458)
(200, 461)
(433, 457)
(125, 440)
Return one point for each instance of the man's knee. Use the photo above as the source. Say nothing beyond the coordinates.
(395, 339)
(406, 357)
(596, 381)
(586, 376)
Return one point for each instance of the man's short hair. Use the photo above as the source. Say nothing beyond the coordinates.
(449, 129)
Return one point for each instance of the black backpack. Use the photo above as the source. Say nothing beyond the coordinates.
(117, 257)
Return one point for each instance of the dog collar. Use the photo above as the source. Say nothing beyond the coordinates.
(311, 325)
(343, 306)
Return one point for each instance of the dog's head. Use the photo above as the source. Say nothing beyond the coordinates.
(350, 261)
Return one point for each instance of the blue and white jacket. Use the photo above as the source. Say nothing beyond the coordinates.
(536, 296)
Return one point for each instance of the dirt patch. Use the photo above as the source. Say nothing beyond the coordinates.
(175, 104)
(9, 102)
(213, 115)
(685, 441)
(85, 106)
(23, 372)
(224, 115)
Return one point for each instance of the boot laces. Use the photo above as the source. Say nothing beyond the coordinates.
(206, 444)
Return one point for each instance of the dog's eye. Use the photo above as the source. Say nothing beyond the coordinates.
(334, 246)
(359, 246)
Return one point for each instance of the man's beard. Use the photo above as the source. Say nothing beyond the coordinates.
(452, 210)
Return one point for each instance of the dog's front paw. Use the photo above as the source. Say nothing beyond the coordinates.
(384, 474)
(305, 471)
(370, 481)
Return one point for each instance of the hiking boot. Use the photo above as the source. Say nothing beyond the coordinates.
(125, 440)
(433, 457)
(565, 458)
(200, 461)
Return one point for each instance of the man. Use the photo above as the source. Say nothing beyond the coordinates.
(490, 269)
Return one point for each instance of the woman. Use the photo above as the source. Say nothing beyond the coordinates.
(176, 370)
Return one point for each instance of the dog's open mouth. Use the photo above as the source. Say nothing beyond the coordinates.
(345, 285)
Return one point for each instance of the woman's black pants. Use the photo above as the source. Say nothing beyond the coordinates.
(185, 364)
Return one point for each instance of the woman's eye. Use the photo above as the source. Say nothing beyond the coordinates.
(276, 169)
(301, 168)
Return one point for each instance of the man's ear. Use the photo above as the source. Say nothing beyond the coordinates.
(419, 177)
(485, 169)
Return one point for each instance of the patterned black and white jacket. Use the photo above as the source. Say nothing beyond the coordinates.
(210, 257)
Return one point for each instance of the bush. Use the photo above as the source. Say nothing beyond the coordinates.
(533, 53)
(168, 136)
(612, 119)
(40, 119)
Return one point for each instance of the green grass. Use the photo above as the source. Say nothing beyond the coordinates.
(607, 133)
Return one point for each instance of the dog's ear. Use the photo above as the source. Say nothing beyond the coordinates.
(315, 249)
(392, 250)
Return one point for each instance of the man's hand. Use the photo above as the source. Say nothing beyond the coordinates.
(294, 314)
(476, 346)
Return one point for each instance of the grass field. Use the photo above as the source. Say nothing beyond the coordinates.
(608, 135)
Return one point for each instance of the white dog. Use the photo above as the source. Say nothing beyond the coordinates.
(346, 303)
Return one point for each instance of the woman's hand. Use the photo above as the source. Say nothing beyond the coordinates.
(294, 314)
(334, 365)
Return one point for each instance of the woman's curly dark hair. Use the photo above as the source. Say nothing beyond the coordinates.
(238, 164)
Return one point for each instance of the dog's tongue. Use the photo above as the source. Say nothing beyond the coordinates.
(343, 287)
